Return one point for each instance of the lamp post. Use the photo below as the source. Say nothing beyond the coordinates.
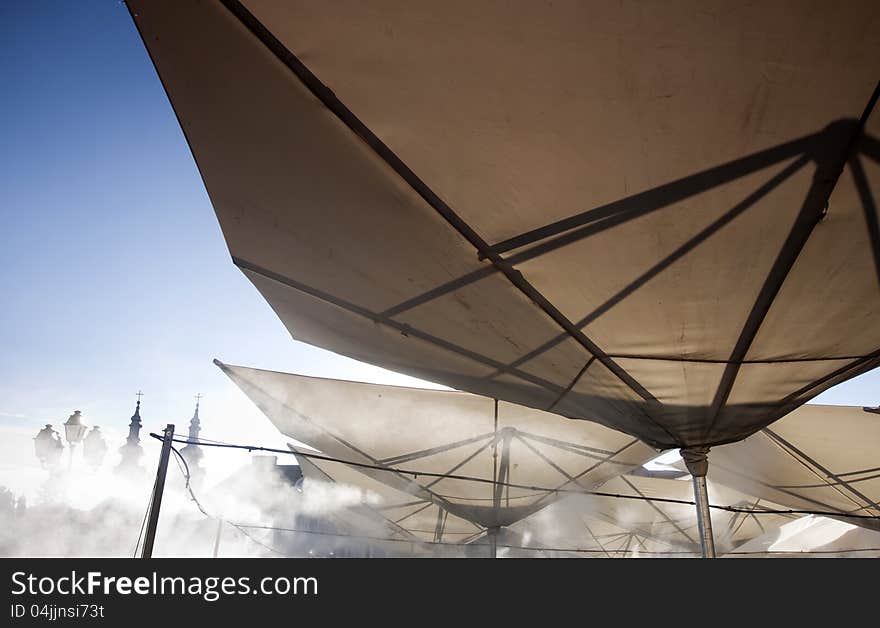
(48, 447)
(74, 431)
(94, 447)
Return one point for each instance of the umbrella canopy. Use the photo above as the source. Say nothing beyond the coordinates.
(816, 537)
(489, 462)
(577, 525)
(574, 533)
(816, 458)
(414, 526)
(399, 515)
(659, 217)
(648, 523)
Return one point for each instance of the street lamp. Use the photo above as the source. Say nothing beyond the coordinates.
(94, 447)
(74, 431)
(48, 447)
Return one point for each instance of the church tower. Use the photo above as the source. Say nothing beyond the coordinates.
(193, 453)
(132, 450)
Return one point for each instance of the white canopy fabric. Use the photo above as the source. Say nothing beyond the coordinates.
(449, 433)
(401, 516)
(569, 531)
(424, 527)
(586, 526)
(816, 537)
(624, 212)
(650, 525)
(821, 458)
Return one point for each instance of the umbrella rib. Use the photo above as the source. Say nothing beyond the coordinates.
(663, 264)
(439, 291)
(595, 465)
(393, 472)
(369, 511)
(425, 453)
(763, 484)
(568, 388)
(400, 505)
(870, 147)
(808, 461)
(401, 327)
(583, 450)
(346, 116)
(670, 358)
(664, 195)
(793, 400)
(799, 397)
(473, 455)
(869, 207)
(812, 210)
(658, 509)
(602, 218)
(619, 212)
(414, 512)
(602, 547)
(552, 464)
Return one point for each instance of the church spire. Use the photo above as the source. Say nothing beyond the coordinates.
(195, 425)
(192, 453)
(132, 450)
(134, 428)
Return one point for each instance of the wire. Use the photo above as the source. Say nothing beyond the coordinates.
(188, 478)
(434, 543)
(146, 514)
(143, 524)
(807, 552)
(828, 484)
(184, 470)
(543, 489)
(257, 541)
(348, 536)
(490, 499)
(241, 527)
(579, 550)
(213, 440)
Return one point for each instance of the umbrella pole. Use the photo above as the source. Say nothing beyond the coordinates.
(217, 537)
(704, 519)
(698, 465)
(493, 542)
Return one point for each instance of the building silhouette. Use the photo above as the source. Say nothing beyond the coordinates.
(192, 453)
(132, 451)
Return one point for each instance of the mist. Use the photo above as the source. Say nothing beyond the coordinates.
(73, 510)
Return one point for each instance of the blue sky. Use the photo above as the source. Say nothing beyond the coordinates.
(114, 273)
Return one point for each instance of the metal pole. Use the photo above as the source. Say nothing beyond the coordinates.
(704, 517)
(695, 458)
(492, 533)
(217, 538)
(156, 503)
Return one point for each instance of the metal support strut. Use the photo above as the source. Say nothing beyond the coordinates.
(698, 465)
(158, 489)
(217, 538)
